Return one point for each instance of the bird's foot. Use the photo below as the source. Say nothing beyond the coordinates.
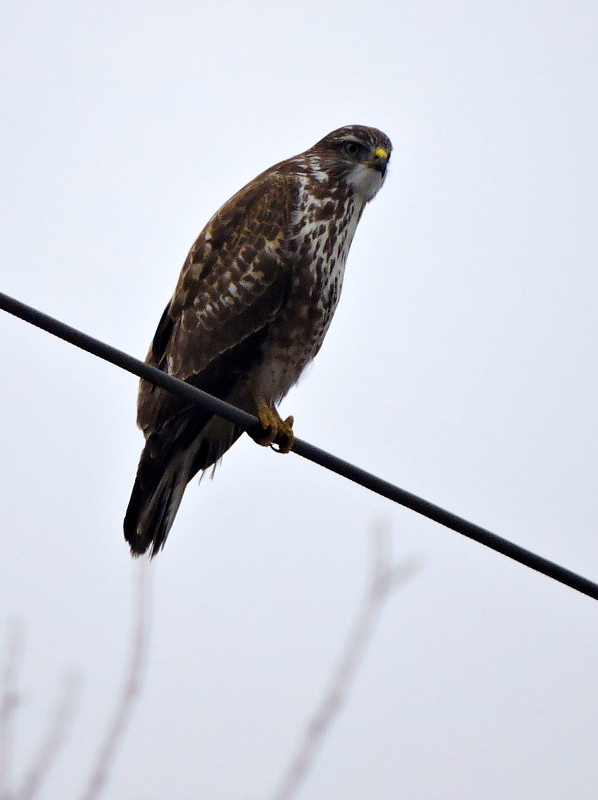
(285, 438)
(276, 430)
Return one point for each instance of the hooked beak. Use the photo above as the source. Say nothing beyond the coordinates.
(379, 160)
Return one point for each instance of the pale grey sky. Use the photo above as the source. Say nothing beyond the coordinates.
(461, 365)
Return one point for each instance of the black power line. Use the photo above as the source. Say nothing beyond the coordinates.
(250, 424)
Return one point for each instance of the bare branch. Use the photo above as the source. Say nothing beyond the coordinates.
(55, 736)
(130, 691)
(384, 580)
(9, 700)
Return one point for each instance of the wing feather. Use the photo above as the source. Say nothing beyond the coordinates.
(234, 282)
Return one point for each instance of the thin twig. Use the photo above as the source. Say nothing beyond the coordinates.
(384, 580)
(9, 700)
(54, 739)
(130, 691)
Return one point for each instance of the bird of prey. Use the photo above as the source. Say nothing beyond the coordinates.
(251, 308)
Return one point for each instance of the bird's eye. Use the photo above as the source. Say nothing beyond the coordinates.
(351, 148)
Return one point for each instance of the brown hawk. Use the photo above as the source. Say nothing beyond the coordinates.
(251, 308)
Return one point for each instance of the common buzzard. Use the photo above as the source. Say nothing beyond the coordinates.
(251, 308)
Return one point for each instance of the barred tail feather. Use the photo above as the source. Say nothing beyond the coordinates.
(154, 502)
(165, 468)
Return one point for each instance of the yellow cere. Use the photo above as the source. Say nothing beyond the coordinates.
(380, 152)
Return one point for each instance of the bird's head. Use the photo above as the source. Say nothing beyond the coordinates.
(355, 155)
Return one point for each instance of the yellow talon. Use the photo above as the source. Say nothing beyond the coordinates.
(269, 422)
(285, 438)
(276, 430)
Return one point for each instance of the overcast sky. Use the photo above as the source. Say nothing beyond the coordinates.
(461, 365)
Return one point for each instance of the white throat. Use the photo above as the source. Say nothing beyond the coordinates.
(365, 181)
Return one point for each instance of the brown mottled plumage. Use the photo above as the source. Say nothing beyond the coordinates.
(251, 308)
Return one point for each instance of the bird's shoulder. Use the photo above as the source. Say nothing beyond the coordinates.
(244, 240)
